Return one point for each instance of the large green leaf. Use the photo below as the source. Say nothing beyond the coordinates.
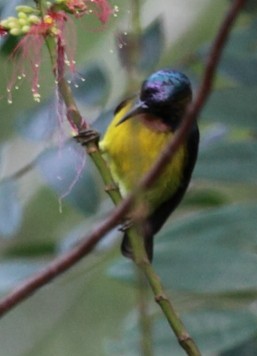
(15, 271)
(152, 46)
(247, 348)
(40, 122)
(242, 41)
(236, 107)
(143, 52)
(210, 252)
(43, 225)
(242, 70)
(250, 6)
(208, 268)
(213, 330)
(68, 171)
(71, 316)
(10, 209)
(93, 85)
(228, 162)
(229, 226)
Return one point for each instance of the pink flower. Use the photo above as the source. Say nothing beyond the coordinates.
(100, 8)
(3, 31)
(29, 50)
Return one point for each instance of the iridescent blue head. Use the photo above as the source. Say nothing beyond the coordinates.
(165, 93)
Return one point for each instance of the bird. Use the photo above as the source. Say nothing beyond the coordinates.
(141, 127)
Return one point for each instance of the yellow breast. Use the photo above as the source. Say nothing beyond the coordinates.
(131, 148)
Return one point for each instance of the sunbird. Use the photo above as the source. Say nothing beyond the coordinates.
(141, 128)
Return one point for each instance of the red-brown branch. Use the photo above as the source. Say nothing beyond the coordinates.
(63, 263)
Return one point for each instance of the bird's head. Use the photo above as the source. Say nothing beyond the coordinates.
(165, 93)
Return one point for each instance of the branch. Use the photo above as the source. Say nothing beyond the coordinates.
(58, 266)
(63, 263)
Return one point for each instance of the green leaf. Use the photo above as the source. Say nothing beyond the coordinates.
(38, 123)
(93, 85)
(213, 330)
(68, 172)
(152, 46)
(43, 226)
(31, 249)
(10, 209)
(51, 322)
(8, 44)
(239, 69)
(204, 198)
(248, 348)
(229, 226)
(250, 6)
(15, 271)
(241, 42)
(210, 252)
(235, 107)
(144, 55)
(205, 268)
(228, 162)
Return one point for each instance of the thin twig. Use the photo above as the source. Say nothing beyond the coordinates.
(61, 264)
(21, 172)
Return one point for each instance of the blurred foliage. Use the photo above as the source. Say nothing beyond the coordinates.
(205, 254)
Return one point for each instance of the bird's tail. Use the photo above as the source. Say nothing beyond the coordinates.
(127, 250)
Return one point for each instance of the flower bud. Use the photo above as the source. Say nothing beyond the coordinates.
(26, 9)
(25, 29)
(12, 24)
(4, 23)
(15, 31)
(22, 22)
(22, 15)
(34, 19)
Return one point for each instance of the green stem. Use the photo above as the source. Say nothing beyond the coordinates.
(145, 322)
(172, 317)
(142, 261)
(111, 187)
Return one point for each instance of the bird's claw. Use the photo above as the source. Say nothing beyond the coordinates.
(86, 136)
(127, 224)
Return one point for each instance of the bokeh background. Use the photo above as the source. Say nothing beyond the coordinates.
(51, 196)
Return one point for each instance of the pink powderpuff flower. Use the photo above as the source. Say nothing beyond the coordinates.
(29, 50)
(100, 8)
(28, 53)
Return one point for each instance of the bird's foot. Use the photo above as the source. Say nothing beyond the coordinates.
(87, 136)
(127, 224)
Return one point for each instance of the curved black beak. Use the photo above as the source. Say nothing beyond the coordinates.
(138, 108)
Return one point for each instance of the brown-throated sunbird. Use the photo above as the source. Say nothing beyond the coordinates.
(141, 128)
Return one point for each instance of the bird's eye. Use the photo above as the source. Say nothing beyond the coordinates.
(148, 92)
